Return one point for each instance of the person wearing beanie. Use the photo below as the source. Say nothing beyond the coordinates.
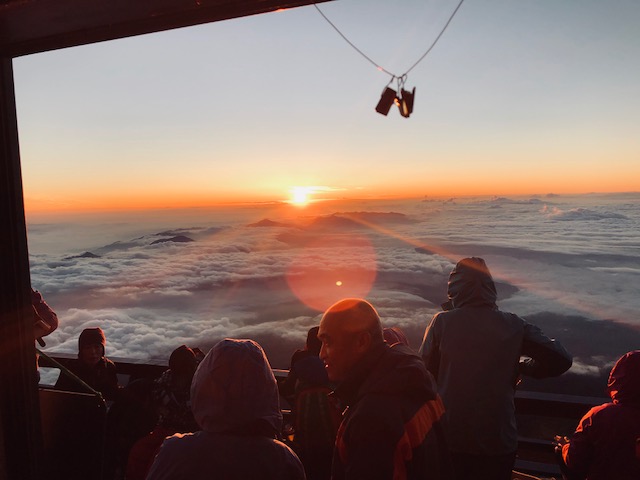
(91, 366)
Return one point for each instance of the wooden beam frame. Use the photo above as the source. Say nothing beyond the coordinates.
(19, 407)
(33, 26)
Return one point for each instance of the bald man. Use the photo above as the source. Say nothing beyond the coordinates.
(391, 427)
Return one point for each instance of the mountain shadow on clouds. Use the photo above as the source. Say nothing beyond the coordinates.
(341, 220)
(429, 285)
(592, 359)
(552, 258)
(340, 223)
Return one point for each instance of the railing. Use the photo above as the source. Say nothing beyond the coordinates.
(540, 415)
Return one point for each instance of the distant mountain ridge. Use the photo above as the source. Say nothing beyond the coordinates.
(83, 255)
(176, 239)
(266, 222)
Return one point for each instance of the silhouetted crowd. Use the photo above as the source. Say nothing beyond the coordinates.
(364, 405)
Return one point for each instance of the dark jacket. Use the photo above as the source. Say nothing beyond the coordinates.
(101, 377)
(391, 429)
(606, 444)
(234, 399)
(474, 353)
(306, 370)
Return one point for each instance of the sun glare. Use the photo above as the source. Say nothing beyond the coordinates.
(300, 195)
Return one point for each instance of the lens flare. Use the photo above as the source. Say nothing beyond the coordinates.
(331, 268)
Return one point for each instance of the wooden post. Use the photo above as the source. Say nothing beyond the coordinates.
(19, 406)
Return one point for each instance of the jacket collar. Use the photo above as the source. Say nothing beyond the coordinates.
(349, 390)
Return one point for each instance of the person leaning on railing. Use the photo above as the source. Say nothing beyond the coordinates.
(474, 351)
(91, 366)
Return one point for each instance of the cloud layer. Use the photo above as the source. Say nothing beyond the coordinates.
(154, 287)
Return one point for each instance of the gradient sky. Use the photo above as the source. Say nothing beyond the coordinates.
(517, 97)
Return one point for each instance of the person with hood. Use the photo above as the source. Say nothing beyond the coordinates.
(91, 366)
(474, 351)
(391, 426)
(235, 401)
(606, 444)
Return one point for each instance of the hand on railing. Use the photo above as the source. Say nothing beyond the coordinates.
(560, 441)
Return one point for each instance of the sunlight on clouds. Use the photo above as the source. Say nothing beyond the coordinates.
(303, 195)
(271, 280)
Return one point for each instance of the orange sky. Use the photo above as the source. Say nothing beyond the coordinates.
(172, 120)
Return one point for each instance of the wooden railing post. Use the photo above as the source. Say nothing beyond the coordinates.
(19, 407)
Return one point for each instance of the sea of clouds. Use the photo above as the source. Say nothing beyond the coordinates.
(569, 264)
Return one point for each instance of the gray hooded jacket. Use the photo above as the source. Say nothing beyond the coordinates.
(234, 399)
(474, 351)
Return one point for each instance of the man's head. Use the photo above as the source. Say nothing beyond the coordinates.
(91, 345)
(348, 330)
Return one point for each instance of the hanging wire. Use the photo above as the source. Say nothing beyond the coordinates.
(437, 38)
(393, 76)
(352, 45)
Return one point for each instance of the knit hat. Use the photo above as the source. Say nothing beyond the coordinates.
(92, 336)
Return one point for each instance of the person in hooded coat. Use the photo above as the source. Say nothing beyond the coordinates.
(606, 444)
(474, 351)
(234, 399)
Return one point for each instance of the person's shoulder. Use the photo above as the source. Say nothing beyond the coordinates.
(604, 409)
(299, 355)
(73, 363)
(600, 415)
(290, 466)
(179, 441)
(400, 372)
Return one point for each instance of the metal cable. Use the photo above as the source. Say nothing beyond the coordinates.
(382, 69)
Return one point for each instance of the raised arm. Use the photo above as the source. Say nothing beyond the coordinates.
(547, 356)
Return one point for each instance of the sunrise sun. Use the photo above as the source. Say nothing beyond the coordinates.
(300, 195)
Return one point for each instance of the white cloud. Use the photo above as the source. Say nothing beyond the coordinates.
(231, 281)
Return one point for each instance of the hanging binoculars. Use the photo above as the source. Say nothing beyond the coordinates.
(404, 100)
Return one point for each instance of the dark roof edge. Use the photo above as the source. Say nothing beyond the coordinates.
(34, 26)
